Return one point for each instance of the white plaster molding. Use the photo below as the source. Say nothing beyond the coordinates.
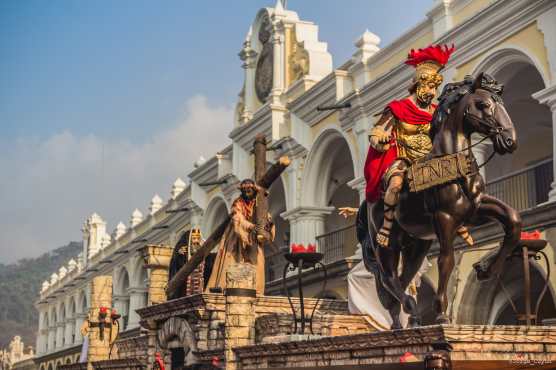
(547, 25)
(156, 204)
(260, 123)
(322, 93)
(441, 17)
(307, 212)
(177, 188)
(119, 231)
(136, 218)
(547, 96)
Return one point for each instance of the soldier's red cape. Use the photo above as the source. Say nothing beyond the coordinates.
(378, 162)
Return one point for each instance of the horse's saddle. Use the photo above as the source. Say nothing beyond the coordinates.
(428, 172)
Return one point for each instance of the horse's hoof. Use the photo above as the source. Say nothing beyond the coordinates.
(396, 326)
(442, 319)
(413, 322)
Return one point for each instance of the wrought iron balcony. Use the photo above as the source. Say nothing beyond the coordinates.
(337, 244)
(525, 188)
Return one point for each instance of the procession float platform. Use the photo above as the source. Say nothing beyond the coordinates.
(218, 331)
(472, 347)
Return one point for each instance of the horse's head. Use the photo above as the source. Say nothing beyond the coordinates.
(486, 114)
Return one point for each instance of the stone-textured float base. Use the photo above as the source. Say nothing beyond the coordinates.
(473, 347)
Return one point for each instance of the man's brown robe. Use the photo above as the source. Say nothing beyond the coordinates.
(238, 246)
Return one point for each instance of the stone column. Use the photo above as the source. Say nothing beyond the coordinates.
(121, 304)
(42, 336)
(240, 310)
(548, 97)
(249, 57)
(60, 335)
(157, 259)
(306, 223)
(278, 67)
(51, 337)
(137, 299)
(79, 318)
(69, 331)
(101, 296)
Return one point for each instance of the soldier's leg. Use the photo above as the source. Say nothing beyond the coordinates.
(394, 177)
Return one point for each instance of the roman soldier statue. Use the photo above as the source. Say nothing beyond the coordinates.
(401, 135)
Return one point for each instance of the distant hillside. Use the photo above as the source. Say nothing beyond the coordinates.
(20, 284)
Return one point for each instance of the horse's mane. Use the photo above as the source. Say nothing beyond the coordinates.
(453, 92)
(450, 96)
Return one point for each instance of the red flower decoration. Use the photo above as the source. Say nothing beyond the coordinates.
(298, 248)
(311, 248)
(435, 53)
(103, 309)
(533, 235)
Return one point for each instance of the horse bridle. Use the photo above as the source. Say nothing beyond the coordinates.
(490, 123)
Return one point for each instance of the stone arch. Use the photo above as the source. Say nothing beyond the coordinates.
(53, 316)
(45, 320)
(522, 76)
(330, 143)
(137, 272)
(330, 165)
(68, 360)
(71, 308)
(61, 314)
(42, 366)
(121, 294)
(176, 334)
(58, 363)
(499, 58)
(50, 365)
(216, 211)
(122, 281)
(82, 304)
(486, 302)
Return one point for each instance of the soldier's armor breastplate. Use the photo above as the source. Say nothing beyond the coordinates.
(413, 141)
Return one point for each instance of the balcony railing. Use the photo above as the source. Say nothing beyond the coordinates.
(275, 264)
(525, 188)
(337, 244)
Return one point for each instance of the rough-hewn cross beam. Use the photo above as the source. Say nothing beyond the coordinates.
(264, 179)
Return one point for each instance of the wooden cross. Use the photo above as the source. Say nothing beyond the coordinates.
(264, 179)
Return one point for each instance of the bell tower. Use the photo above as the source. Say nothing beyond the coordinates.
(280, 53)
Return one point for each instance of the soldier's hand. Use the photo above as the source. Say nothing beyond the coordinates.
(347, 211)
(379, 138)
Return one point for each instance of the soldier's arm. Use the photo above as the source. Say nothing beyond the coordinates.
(381, 134)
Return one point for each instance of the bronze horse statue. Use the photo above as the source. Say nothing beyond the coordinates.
(467, 107)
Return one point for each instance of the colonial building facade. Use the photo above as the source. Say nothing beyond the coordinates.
(288, 74)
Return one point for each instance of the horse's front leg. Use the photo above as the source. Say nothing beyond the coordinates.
(445, 227)
(414, 253)
(510, 219)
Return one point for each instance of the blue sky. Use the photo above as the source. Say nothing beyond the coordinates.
(124, 78)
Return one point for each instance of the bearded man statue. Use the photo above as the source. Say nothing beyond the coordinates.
(239, 243)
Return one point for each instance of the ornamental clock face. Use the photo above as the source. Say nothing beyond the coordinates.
(264, 71)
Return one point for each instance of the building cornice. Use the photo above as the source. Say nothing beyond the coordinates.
(260, 123)
(322, 93)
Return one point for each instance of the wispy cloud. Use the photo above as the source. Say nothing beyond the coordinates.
(49, 186)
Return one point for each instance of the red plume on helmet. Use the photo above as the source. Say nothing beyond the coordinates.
(433, 53)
